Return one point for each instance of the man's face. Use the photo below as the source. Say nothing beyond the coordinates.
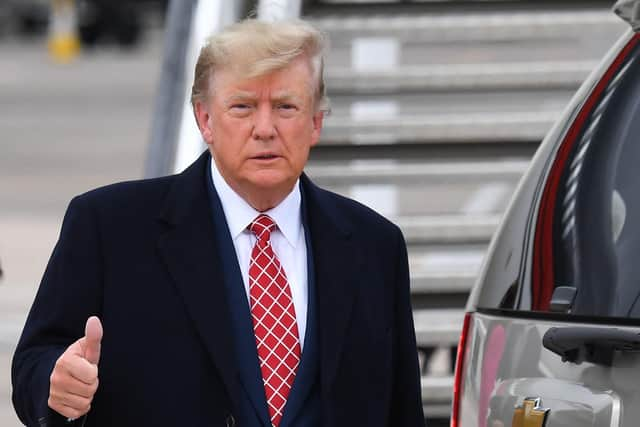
(260, 130)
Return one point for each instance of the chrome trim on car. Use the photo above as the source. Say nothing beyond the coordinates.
(616, 409)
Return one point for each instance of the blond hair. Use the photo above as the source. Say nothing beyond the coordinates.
(253, 48)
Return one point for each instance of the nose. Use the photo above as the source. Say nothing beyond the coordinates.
(264, 126)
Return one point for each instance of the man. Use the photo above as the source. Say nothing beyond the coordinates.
(237, 292)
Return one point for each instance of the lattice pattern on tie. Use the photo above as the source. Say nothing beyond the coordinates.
(274, 319)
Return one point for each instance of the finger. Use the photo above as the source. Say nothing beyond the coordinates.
(79, 369)
(93, 339)
(85, 390)
(75, 349)
(74, 386)
(84, 372)
(72, 401)
(66, 411)
(62, 381)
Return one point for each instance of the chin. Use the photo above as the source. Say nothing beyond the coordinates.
(269, 179)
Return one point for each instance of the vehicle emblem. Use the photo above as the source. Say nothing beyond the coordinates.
(530, 414)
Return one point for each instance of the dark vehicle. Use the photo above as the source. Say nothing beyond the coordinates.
(551, 335)
(98, 21)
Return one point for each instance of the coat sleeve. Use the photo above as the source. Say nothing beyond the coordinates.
(69, 293)
(406, 404)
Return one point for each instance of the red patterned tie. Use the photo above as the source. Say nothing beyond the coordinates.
(274, 319)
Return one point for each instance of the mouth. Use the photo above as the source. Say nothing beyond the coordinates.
(265, 157)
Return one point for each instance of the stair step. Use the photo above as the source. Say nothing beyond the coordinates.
(437, 388)
(473, 26)
(490, 127)
(364, 172)
(447, 202)
(447, 258)
(439, 327)
(431, 210)
(450, 269)
(489, 76)
(426, 283)
(436, 396)
(448, 228)
(437, 104)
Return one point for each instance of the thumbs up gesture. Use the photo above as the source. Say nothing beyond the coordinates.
(74, 379)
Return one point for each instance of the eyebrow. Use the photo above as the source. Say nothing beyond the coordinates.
(240, 96)
(249, 96)
(286, 96)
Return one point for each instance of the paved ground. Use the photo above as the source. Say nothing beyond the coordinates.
(64, 129)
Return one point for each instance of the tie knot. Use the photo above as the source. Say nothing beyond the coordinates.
(262, 227)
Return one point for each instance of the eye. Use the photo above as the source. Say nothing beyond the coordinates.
(240, 109)
(240, 106)
(287, 109)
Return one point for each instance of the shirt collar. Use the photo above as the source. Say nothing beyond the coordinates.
(239, 214)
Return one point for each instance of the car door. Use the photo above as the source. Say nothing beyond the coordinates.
(551, 336)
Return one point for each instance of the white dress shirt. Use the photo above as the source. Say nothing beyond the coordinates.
(287, 240)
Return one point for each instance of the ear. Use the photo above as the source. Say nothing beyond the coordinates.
(317, 120)
(203, 118)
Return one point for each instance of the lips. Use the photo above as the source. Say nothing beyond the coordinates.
(265, 156)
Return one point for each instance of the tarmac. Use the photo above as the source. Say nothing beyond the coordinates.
(64, 129)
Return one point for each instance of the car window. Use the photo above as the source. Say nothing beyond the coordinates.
(596, 226)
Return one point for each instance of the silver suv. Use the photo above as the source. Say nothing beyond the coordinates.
(551, 334)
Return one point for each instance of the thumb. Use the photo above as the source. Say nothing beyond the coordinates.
(92, 340)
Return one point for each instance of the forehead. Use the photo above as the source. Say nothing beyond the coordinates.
(294, 79)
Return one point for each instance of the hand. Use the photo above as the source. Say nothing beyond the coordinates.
(74, 379)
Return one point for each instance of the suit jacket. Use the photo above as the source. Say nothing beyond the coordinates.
(145, 257)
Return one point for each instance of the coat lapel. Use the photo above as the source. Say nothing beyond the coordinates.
(306, 376)
(337, 261)
(190, 254)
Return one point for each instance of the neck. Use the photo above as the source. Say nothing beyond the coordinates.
(259, 197)
(262, 203)
(262, 198)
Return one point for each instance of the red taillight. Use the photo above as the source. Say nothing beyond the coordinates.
(457, 381)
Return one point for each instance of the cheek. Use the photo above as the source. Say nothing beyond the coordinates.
(231, 135)
(300, 156)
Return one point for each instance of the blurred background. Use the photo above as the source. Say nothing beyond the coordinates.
(68, 122)
(437, 107)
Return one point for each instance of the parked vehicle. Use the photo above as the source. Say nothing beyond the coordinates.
(97, 21)
(551, 334)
